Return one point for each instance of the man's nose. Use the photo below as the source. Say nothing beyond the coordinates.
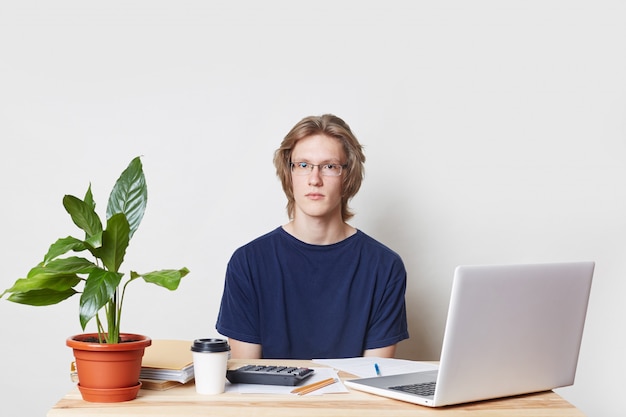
(315, 176)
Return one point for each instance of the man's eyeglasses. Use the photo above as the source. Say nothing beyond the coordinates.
(327, 170)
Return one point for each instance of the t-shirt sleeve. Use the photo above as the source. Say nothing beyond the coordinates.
(388, 324)
(238, 317)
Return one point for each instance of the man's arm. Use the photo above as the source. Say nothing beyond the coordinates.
(244, 350)
(384, 352)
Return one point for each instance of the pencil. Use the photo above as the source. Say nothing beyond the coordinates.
(315, 386)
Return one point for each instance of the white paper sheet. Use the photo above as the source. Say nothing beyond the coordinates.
(364, 367)
(319, 375)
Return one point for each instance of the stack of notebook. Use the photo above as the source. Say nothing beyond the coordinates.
(166, 364)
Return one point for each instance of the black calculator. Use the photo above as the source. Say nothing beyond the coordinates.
(268, 375)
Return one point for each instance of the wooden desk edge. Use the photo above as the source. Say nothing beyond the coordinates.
(184, 401)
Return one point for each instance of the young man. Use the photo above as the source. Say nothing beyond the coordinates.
(315, 287)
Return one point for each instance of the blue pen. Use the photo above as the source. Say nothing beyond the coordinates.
(377, 369)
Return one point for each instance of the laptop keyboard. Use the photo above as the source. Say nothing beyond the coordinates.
(424, 389)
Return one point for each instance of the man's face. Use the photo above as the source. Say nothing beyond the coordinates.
(317, 195)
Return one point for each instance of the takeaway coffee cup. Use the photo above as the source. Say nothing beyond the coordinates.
(210, 357)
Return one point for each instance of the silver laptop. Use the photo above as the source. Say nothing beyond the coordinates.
(511, 329)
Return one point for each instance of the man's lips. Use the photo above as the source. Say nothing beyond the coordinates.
(314, 196)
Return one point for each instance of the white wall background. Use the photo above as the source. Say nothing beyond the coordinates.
(495, 132)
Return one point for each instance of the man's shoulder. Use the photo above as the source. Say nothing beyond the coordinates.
(272, 234)
(262, 242)
(375, 245)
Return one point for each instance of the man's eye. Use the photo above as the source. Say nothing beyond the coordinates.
(302, 165)
(330, 167)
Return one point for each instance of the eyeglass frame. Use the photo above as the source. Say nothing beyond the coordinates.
(319, 167)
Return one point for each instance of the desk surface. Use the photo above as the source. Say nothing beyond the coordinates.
(184, 401)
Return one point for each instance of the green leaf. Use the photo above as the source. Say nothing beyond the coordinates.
(94, 242)
(42, 288)
(57, 282)
(43, 297)
(71, 265)
(167, 278)
(89, 199)
(115, 240)
(99, 289)
(83, 215)
(129, 195)
(62, 246)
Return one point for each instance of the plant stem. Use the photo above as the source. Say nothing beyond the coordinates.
(112, 323)
(100, 329)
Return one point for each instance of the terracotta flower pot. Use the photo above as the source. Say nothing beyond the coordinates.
(108, 372)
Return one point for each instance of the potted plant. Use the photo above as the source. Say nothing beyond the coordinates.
(100, 284)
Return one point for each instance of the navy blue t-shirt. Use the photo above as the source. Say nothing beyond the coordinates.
(303, 301)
